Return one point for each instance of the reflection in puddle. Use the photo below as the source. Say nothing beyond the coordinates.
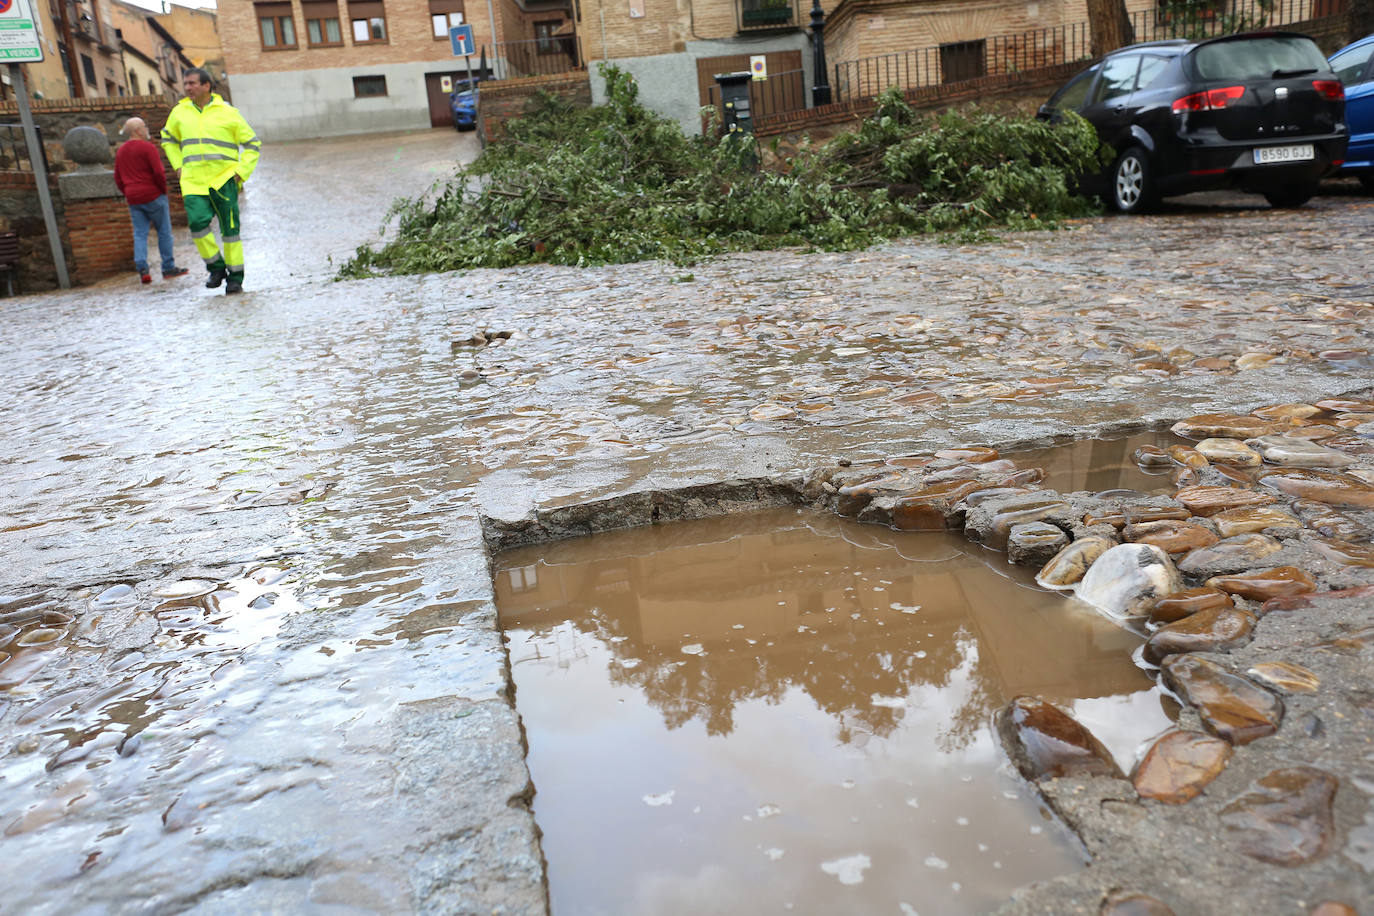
(783, 708)
(1105, 464)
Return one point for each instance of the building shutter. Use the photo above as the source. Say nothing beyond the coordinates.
(365, 9)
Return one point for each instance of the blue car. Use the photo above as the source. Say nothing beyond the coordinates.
(1354, 65)
(463, 103)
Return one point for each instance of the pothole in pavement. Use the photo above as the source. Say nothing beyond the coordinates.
(786, 707)
(743, 713)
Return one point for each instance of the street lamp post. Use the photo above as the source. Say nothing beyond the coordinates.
(820, 93)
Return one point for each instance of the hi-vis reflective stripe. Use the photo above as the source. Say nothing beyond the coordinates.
(190, 140)
(202, 233)
(231, 239)
(203, 156)
(253, 144)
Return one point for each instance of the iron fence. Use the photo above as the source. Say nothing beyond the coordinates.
(14, 151)
(866, 77)
(535, 57)
(1195, 19)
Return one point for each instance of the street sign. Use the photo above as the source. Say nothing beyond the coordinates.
(758, 65)
(19, 41)
(462, 40)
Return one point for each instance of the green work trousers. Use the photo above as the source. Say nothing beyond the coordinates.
(201, 212)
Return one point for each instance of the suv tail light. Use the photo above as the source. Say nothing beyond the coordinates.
(1331, 90)
(1211, 100)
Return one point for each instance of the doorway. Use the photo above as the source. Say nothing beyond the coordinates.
(440, 115)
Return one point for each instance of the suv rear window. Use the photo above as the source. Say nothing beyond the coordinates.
(1258, 58)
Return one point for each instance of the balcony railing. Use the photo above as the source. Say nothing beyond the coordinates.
(535, 57)
(757, 15)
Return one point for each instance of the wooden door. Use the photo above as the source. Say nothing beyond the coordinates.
(784, 90)
(440, 115)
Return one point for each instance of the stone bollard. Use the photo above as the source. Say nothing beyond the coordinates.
(97, 218)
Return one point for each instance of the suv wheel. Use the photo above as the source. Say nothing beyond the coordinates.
(1133, 189)
(1293, 195)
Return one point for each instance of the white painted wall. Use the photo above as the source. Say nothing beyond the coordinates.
(302, 104)
(668, 82)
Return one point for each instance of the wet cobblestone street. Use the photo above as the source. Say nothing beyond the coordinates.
(326, 722)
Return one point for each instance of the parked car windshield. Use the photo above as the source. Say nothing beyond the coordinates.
(1258, 58)
(1349, 64)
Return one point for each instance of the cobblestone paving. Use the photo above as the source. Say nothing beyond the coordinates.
(321, 452)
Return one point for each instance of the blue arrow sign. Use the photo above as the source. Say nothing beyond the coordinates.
(462, 40)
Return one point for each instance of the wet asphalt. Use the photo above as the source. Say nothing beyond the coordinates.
(332, 728)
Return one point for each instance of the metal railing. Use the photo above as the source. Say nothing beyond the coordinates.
(1195, 19)
(14, 151)
(535, 57)
(866, 77)
(767, 14)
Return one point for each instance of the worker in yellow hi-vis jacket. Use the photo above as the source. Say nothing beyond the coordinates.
(214, 150)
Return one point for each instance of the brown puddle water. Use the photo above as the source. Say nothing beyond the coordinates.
(1102, 464)
(790, 710)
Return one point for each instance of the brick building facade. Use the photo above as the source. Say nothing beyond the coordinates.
(309, 68)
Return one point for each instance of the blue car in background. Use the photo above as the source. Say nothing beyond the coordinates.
(1354, 65)
(463, 103)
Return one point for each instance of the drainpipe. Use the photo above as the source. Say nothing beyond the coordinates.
(73, 65)
(491, 18)
(601, 8)
(820, 93)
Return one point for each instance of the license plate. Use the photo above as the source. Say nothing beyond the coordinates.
(1268, 155)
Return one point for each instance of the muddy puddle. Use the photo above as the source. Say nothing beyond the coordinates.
(788, 710)
(1105, 464)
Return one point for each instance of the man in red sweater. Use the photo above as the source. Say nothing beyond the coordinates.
(139, 176)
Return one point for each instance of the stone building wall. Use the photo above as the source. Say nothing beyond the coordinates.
(21, 212)
(54, 117)
(97, 234)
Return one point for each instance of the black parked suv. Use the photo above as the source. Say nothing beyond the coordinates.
(1261, 111)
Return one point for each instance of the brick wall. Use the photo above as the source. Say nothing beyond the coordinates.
(503, 101)
(608, 30)
(101, 237)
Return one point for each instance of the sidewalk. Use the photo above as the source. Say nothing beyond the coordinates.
(327, 722)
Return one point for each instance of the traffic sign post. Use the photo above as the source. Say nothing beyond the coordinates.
(460, 36)
(19, 44)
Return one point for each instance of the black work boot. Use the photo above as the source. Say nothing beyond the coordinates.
(235, 284)
(217, 275)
